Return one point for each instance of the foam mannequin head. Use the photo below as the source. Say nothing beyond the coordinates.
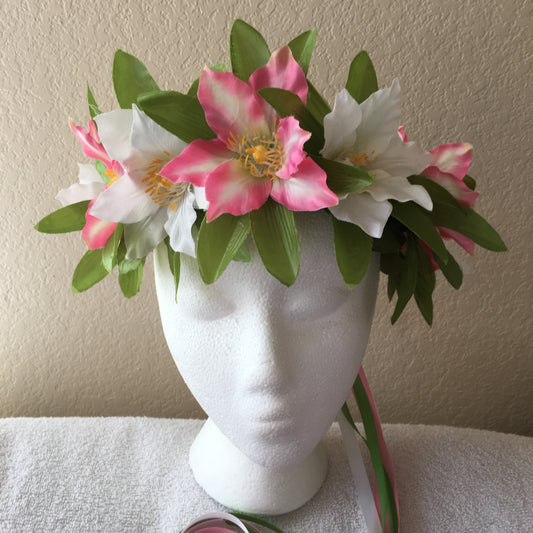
(270, 365)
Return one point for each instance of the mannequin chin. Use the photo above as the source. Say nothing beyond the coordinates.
(270, 365)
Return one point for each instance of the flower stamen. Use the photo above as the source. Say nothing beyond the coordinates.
(363, 159)
(162, 191)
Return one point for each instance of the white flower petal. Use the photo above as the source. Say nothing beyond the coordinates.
(200, 199)
(114, 129)
(340, 126)
(142, 237)
(401, 159)
(380, 121)
(396, 188)
(125, 202)
(150, 139)
(89, 174)
(361, 209)
(179, 226)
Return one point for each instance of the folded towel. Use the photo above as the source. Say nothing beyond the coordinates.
(132, 475)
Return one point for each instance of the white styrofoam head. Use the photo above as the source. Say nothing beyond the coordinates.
(270, 365)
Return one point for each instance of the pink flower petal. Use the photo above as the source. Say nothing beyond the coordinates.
(453, 158)
(231, 189)
(430, 254)
(292, 139)
(402, 134)
(454, 186)
(91, 142)
(96, 232)
(305, 190)
(231, 106)
(196, 162)
(464, 242)
(283, 72)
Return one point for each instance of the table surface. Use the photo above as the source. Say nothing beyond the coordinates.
(131, 474)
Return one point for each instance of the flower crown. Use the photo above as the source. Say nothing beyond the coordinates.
(241, 151)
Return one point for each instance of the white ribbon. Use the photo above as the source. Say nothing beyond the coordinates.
(214, 520)
(363, 490)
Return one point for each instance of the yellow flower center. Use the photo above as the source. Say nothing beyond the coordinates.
(162, 191)
(260, 155)
(363, 159)
(112, 175)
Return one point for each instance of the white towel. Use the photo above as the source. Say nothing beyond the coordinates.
(132, 475)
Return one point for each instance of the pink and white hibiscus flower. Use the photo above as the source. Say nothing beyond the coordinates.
(366, 135)
(448, 168)
(96, 231)
(256, 153)
(149, 205)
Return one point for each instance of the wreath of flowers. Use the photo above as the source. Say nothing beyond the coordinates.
(244, 149)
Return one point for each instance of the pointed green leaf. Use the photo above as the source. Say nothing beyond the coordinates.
(174, 263)
(130, 279)
(470, 224)
(425, 285)
(451, 270)
(243, 254)
(386, 493)
(178, 113)
(318, 107)
(276, 238)
(64, 220)
(257, 520)
(130, 79)
(302, 48)
(126, 265)
(407, 279)
(362, 80)
(109, 251)
(219, 67)
(248, 49)
(218, 242)
(418, 221)
(93, 108)
(390, 264)
(89, 271)
(438, 194)
(287, 103)
(353, 249)
(470, 182)
(344, 179)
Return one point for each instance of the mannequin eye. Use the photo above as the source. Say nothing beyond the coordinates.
(315, 304)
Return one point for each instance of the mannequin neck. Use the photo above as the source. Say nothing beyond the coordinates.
(234, 480)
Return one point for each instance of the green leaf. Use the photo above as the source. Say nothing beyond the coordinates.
(89, 271)
(386, 494)
(451, 270)
(109, 251)
(391, 240)
(302, 48)
(318, 107)
(243, 254)
(287, 103)
(362, 80)
(415, 218)
(178, 113)
(344, 179)
(407, 279)
(130, 279)
(276, 238)
(470, 182)
(248, 49)
(425, 285)
(219, 67)
(218, 242)
(93, 108)
(127, 265)
(353, 249)
(470, 224)
(64, 220)
(174, 262)
(102, 169)
(130, 79)
(390, 265)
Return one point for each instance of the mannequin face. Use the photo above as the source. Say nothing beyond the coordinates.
(270, 365)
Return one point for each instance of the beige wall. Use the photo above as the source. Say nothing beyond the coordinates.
(465, 68)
